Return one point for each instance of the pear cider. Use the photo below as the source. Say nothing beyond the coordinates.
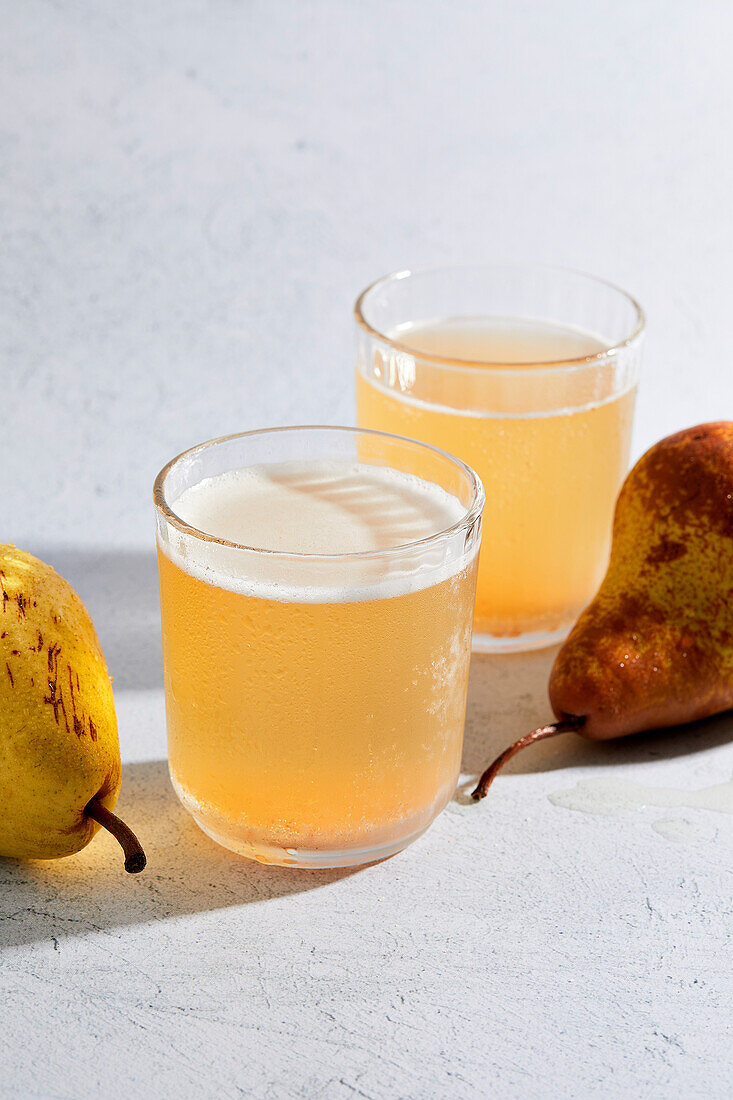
(315, 720)
(529, 375)
(551, 478)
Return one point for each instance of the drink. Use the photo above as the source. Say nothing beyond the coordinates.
(544, 416)
(315, 704)
(551, 479)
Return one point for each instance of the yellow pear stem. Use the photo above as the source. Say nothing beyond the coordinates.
(135, 858)
(569, 725)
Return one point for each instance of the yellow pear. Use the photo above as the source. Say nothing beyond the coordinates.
(59, 753)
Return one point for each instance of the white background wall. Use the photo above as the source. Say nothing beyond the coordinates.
(193, 193)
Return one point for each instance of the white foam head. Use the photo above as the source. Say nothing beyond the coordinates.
(299, 525)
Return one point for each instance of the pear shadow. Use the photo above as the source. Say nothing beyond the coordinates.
(120, 591)
(507, 698)
(186, 873)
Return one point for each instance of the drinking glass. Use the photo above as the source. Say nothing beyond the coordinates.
(315, 702)
(529, 374)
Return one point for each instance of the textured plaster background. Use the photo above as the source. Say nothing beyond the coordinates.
(192, 195)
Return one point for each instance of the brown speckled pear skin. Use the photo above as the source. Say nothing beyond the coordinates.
(655, 647)
(58, 730)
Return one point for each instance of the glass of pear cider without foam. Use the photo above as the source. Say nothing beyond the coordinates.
(317, 589)
(529, 375)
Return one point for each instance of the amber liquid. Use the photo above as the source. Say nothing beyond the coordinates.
(551, 478)
(322, 727)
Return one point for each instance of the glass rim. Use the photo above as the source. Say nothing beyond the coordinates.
(471, 514)
(453, 363)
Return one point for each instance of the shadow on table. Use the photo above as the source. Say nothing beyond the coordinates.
(507, 697)
(186, 873)
(120, 591)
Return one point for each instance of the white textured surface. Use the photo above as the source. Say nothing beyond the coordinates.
(192, 195)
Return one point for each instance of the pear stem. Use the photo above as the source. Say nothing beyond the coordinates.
(566, 725)
(135, 858)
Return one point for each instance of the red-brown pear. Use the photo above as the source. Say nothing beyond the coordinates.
(655, 647)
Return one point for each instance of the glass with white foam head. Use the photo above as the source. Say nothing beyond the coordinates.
(529, 374)
(315, 701)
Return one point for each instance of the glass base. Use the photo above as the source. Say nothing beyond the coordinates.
(518, 643)
(244, 840)
(308, 859)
